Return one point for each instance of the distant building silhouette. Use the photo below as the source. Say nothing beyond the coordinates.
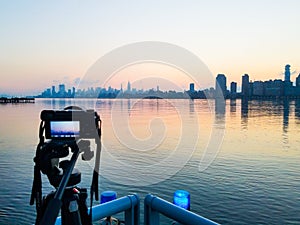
(233, 90)
(53, 93)
(287, 73)
(233, 87)
(192, 87)
(61, 90)
(274, 88)
(245, 86)
(278, 89)
(128, 87)
(258, 88)
(221, 85)
(47, 93)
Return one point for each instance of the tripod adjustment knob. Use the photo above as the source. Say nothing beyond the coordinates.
(73, 206)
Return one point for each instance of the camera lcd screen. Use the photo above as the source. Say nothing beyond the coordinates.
(64, 129)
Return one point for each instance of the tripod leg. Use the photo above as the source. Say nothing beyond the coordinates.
(83, 209)
(70, 214)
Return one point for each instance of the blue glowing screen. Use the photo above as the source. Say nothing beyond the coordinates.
(64, 129)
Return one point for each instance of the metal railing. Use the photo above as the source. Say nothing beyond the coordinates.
(129, 204)
(155, 205)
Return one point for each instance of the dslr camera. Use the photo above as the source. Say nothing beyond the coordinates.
(62, 132)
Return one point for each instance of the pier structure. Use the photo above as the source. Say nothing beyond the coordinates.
(5, 100)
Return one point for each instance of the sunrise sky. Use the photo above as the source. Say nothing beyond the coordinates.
(47, 43)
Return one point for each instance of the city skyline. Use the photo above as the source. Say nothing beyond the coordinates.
(57, 42)
(249, 89)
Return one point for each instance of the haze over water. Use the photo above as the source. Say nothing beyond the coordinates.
(254, 178)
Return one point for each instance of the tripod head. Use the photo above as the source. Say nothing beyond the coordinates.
(49, 159)
(62, 132)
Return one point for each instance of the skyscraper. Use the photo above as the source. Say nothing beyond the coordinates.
(287, 73)
(192, 87)
(61, 90)
(221, 87)
(288, 85)
(53, 92)
(245, 85)
(128, 87)
(233, 86)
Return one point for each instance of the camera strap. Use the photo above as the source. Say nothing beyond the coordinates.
(95, 180)
(36, 192)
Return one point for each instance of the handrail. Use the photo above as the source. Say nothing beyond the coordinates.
(155, 205)
(130, 204)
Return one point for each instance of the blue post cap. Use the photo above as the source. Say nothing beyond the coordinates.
(107, 196)
(182, 199)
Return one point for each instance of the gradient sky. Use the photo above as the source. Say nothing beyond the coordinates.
(45, 43)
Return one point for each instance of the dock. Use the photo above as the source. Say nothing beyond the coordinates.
(4, 100)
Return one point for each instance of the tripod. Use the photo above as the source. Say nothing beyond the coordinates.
(69, 198)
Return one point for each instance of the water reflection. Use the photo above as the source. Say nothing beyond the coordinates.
(128, 106)
(220, 107)
(286, 114)
(285, 123)
(276, 107)
(297, 110)
(192, 106)
(244, 112)
(250, 164)
(232, 105)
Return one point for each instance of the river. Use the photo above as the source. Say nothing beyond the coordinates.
(240, 163)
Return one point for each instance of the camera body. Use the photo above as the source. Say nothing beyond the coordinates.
(64, 132)
(60, 132)
(70, 124)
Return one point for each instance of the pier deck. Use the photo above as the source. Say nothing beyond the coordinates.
(4, 100)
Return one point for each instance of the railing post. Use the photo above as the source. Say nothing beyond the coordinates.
(151, 216)
(132, 215)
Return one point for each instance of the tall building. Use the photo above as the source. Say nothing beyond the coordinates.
(287, 73)
(128, 87)
(245, 85)
(221, 85)
(192, 87)
(233, 87)
(61, 90)
(53, 92)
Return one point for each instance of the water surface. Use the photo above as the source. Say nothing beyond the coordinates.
(254, 178)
